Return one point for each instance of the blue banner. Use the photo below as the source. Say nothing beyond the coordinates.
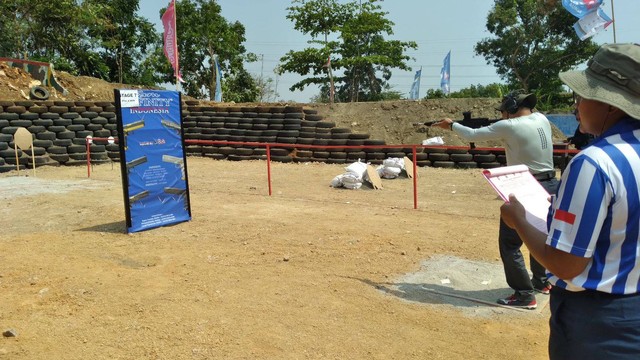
(414, 94)
(152, 158)
(590, 24)
(445, 74)
(218, 95)
(580, 8)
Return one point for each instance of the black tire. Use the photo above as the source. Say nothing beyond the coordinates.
(43, 143)
(435, 157)
(99, 156)
(61, 158)
(282, 159)
(21, 123)
(484, 158)
(49, 115)
(76, 149)
(396, 154)
(34, 129)
(62, 122)
(461, 157)
(443, 164)
(57, 150)
(29, 116)
(489, 165)
(61, 142)
(38, 93)
(9, 116)
(376, 156)
(457, 151)
(356, 155)
(466, 164)
(35, 151)
(313, 117)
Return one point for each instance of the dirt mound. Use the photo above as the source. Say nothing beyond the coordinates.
(391, 121)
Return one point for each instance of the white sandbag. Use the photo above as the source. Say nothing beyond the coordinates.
(433, 141)
(351, 181)
(394, 162)
(337, 181)
(357, 168)
(389, 172)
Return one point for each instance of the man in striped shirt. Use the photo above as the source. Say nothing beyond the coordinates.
(592, 249)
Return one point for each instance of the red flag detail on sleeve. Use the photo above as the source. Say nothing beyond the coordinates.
(565, 216)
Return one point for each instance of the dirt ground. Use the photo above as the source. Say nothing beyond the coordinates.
(311, 272)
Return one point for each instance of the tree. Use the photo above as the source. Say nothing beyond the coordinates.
(494, 90)
(534, 41)
(202, 33)
(266, 90)
(51, 31)
(123, 38)
(363, 56)
(435, 94)
(99, 38)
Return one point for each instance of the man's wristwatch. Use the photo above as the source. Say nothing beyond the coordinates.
(451, 126)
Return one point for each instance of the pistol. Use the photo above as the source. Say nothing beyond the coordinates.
(170, 124)
(133, 163)
(137, 197)
(178, 161)
(126, 129)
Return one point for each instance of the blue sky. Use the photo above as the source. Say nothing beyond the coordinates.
(436, 26)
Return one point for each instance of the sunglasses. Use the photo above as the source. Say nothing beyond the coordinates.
(576, 99)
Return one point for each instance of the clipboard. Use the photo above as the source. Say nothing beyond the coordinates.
(519, 181)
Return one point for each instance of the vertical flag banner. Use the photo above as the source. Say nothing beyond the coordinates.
(152, 160)
(414, 94)
(590, 24)
(591, 17)
(171, 39)
(218, 95)
(580, 8)
(445, 74)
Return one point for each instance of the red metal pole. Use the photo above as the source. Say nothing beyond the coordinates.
(86, 140)
(269, 167)
(415, 179)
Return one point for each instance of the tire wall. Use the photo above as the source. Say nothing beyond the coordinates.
(59, 129)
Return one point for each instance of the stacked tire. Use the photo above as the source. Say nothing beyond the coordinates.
(59, 130)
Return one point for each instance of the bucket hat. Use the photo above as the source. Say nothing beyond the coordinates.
(612, 77)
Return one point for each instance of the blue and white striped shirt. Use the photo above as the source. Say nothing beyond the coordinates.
(596, 213)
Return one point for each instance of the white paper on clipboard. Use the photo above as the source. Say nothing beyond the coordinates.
(518, 180)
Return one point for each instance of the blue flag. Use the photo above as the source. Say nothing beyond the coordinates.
(591, 17)
(590, 24)
(414, 94)
(445, 74)
(580, 8)
(218, 96)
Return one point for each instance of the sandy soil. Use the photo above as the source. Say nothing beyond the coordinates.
(311, 272)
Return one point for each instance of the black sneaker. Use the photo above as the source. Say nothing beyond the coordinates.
(545, 289)
(513, 301)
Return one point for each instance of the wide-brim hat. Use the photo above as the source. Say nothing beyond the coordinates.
(522, 100)
(612, 77)
(527, 100)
